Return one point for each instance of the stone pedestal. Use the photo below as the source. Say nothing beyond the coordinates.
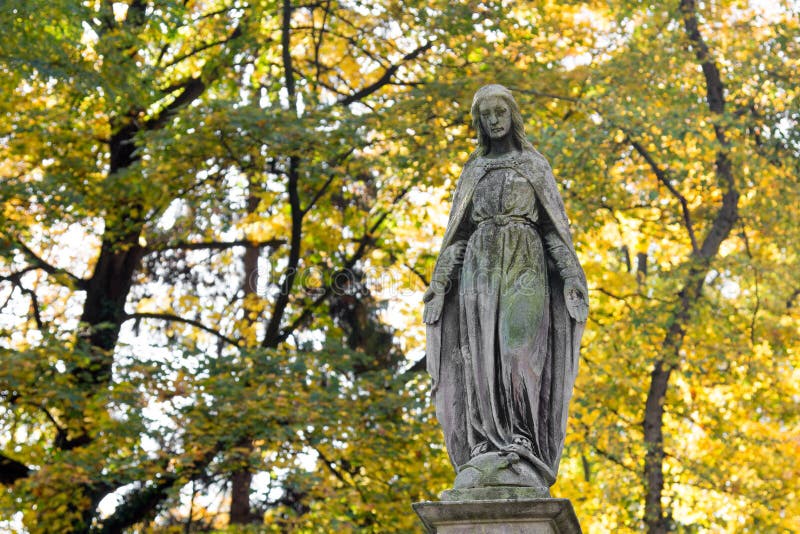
(499, 516)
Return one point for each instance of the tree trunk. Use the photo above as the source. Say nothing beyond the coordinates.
(656, 520)
(240, 512)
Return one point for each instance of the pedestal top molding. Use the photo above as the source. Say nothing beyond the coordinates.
(503, 516)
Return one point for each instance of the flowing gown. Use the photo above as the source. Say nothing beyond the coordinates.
(503, 352)
(505, 314)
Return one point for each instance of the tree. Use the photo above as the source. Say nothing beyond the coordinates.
(173, 138)
(672, 128)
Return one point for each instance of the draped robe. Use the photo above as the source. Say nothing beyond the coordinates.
(448, 358)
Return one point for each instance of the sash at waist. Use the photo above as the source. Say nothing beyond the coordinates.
(502, 219)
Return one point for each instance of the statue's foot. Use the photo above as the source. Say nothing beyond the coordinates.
(516, 450)
(522, 441)
(521, 446)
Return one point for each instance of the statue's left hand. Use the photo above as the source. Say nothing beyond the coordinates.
(434, 302)
(576, 299)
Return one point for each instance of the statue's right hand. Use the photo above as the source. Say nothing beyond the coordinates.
(433, 307)
(429, 294)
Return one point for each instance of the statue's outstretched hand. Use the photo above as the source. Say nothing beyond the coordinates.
(434, 302)
(576, 299)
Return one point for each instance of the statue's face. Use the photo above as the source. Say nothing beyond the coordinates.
(495, 117)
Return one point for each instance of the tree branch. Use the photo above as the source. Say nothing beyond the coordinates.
(218, 245)
(142, 503)
(318, 40)
(386, 77)
(178, 319)
(417, 273)
(324, 187)
(715, 92)
(39, 263)
(363, 246)
(272, 335)
(286, 51)
(332, 468)
(202, 47)
(318, 194)
(12, 470)
(418, 366)
(191, 90)
(543, 94)
(605, 454)
(663, 177)
(756, 279)
(136, 506)
(37, 316)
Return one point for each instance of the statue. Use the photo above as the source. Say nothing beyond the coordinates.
(505, 312)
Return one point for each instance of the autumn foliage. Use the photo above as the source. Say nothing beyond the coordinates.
(217, 219)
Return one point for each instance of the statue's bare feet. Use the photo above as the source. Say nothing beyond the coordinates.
(520, 451)
(514, 451)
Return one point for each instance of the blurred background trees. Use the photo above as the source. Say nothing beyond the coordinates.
(218, 219)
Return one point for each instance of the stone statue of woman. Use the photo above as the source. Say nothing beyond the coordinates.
(505, 312)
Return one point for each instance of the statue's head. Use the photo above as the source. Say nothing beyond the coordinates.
(517, 127)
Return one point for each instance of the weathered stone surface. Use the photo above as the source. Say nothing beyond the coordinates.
(529, 516)
(505, 311)
(496, 469)
(491, 493)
